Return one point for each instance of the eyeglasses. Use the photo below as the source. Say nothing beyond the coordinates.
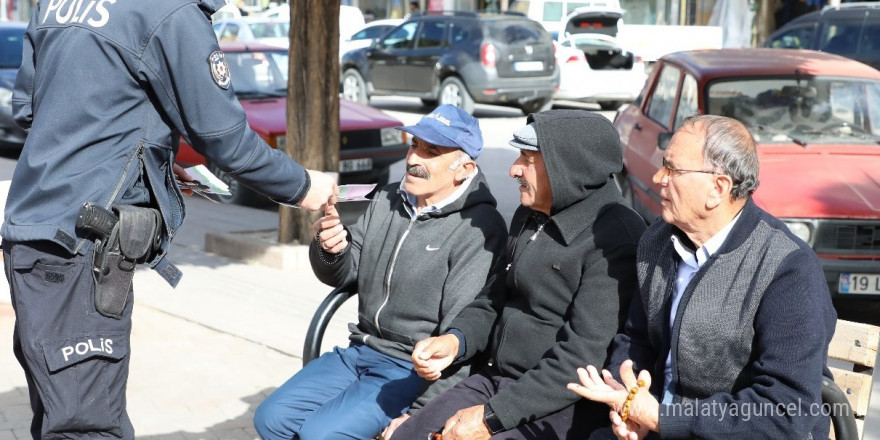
(670, 170)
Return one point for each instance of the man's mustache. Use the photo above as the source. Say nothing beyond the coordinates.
(418, 171)
(522, 182)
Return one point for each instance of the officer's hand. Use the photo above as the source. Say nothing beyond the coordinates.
(322, 193)
(182, 176)
(432, 355)
(329, 232)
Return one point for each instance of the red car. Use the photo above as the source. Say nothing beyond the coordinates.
(816, 119)
(369, 143)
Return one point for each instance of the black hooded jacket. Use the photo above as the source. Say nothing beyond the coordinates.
(567, 290)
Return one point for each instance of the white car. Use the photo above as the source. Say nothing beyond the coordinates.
(593, 66)
(350, 18)
(370, 32)
(270, 31)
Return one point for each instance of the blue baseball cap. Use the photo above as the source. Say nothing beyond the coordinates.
(449, 126)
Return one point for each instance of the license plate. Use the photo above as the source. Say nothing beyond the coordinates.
(528, 66)
(353, 165)
(859, 283)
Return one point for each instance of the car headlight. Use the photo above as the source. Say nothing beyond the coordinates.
(281, 142)
(801, 229)
(391, 136)
(5, 97)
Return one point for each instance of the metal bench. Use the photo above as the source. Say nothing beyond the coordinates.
(847, 397)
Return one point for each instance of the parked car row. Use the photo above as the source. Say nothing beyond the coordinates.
(816, 119)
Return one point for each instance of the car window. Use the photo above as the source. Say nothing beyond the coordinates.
(660, 107)
(687, 102)
(402, 37)
(258, 72)
(230, 32)
(11, 45)
(432, 34)
(873, 97)
(870, 43)
(840, 38)
(813, 109)
(458, 32)
(371, 32)
(516, 32)
(796, 38)
(270, 29)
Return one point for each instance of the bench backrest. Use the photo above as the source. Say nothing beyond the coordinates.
(855, 343)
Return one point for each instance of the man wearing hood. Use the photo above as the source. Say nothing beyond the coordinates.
(419, 254)
(106, 89)
(563, 293)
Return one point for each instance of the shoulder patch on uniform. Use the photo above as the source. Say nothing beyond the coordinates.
(219, 69)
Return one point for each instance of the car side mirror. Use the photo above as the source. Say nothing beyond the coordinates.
(663, 140)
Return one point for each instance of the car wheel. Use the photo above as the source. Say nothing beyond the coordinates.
(241, 195)
(353, 87)
(453, 92)
(536, 106)
(609, 105)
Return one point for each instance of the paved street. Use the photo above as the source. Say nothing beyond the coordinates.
(204, 355)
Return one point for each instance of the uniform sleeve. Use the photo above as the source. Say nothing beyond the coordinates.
(176, 65)
(606, 287)
(23, 93)
(793, 327)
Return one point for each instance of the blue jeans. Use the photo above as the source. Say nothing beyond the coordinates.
(350, 393)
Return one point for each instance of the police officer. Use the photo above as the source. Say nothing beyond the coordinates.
(106, 89)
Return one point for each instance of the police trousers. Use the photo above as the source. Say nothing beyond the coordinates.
(75, 360)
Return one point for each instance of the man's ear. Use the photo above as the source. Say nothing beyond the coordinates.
(721, 188)
(466, 169)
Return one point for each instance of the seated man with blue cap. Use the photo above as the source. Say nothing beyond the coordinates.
(420, 253)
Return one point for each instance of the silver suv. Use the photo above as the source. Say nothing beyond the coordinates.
(458, 59)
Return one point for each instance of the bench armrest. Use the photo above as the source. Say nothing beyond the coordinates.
(322, 317)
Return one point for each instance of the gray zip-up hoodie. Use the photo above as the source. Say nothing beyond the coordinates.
(416, 272)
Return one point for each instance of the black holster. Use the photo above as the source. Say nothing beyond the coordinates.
(134, 239)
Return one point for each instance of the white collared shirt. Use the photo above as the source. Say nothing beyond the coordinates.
(691, 262)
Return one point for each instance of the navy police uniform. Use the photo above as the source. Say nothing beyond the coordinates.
(106, 89)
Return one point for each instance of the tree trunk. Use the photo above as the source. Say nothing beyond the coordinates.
(312, 102)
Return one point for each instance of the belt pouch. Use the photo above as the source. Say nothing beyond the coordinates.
(134, 238)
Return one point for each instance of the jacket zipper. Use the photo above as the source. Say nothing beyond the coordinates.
(137, 153)
(390, 272)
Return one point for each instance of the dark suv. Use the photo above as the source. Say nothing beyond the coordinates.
(851, 30)
(457, 59)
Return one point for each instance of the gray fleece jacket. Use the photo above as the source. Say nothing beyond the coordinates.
(415, 273)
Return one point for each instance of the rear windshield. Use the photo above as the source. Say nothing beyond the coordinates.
(11, 44)
(516, 32)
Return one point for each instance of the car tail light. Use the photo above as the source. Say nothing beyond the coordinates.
(576, 58)
(488, 55)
